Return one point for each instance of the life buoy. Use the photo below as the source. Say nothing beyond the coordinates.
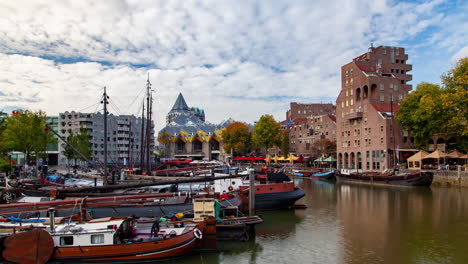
(197, 233)
(230, 188)
(13, 183)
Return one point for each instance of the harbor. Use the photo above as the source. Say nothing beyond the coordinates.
(222, 132)
(351, 223)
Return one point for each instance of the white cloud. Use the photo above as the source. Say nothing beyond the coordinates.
(237, 59)
(462, 53)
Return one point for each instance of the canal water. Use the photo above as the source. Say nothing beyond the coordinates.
(355, 224)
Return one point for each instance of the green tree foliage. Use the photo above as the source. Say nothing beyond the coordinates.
(80, 142)
(266, 132)
(432, 109)
(237, 137)
(285, 142)
(26, 132)
(5, 166)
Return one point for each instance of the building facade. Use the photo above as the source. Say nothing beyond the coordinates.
(306, 110)
(373, 84)
(306, 133)
(124, 136)
(187, 135)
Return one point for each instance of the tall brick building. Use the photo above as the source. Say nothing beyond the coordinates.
(306, 110)
(373, 84)
(304, 133)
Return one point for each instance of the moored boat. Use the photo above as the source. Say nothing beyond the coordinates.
(329, 175)
(272, 190)
(100, 240)
(419, 178)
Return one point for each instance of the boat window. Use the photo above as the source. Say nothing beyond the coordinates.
(97, 239)
(66, 241)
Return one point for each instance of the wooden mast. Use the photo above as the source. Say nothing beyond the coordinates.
(393, 134)
(142, 149)
(104, 101)
(148, 125)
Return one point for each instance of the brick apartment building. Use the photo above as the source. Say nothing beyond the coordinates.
(306, 110)
(304, 133)
(373, 84)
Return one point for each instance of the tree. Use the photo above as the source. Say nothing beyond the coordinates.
(432, 109)
(324, 147)
(285, 142)
(457, 78)
(266, 132)
(26, 131)
(81, 143)
(237, 137)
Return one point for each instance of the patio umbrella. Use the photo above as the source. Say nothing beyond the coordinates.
(455, 155)
(268, 158)
(330, 159)
(320, 159)
(436, 155)
(275, 158)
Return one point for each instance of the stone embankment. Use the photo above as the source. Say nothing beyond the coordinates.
(450, 178)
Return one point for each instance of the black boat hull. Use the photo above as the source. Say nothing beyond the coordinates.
(408, 179)
(279, 200)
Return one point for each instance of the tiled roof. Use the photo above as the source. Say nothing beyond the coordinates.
(300, 120)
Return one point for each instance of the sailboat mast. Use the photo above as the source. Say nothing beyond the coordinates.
(130, 139)
(393, 133)
(148, 125)
(142, 149)
(104, 101)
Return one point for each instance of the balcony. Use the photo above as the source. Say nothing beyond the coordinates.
(355, 115)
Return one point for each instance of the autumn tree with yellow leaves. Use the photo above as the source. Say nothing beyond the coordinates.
(433, 109)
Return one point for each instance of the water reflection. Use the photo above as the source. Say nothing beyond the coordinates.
(402, 225)
(352, 223)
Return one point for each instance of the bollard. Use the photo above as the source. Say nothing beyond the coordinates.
(251, 192)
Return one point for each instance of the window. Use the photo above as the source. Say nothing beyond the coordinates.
(382, 98)
(397, 61)
(391, 86)
(66, 241)
(400, 96)
(381, 128)
(402, 81)
(381, 140)
(402, 72)
(397, 71)
(395, 87)
(402, 61)
(97, 239)
(384, 51)
(381, 86)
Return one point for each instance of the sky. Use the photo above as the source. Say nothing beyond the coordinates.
(234, 59)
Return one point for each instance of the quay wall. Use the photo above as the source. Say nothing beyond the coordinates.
(450, 178)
